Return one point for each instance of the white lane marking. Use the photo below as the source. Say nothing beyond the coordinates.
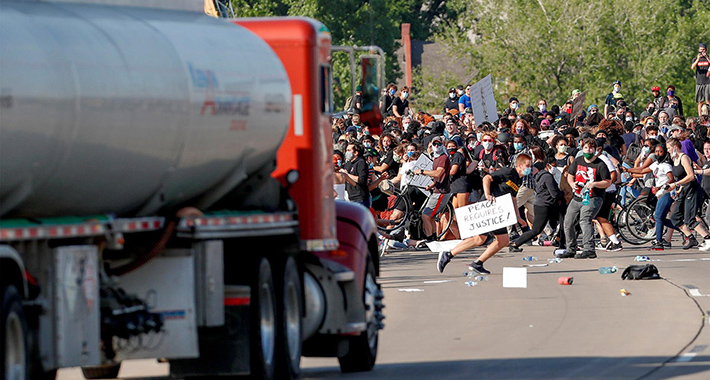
(436, 281)
(686, 357)
(410, 290)
(696, 293)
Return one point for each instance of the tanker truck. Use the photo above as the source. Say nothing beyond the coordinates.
(166, 192)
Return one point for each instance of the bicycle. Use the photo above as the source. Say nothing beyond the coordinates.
(412, 219)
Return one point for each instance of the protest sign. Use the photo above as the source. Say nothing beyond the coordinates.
(578, 105)
(479, 218)
(421, 180)
(483, 101)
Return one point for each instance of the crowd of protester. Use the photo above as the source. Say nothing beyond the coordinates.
(565, 171)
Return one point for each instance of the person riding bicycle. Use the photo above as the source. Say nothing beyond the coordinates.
(501, 182)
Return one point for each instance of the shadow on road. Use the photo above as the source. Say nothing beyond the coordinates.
(607, 368)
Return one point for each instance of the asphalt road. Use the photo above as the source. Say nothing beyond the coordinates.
(439, 328)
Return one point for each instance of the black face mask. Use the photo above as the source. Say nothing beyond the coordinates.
(452, 152)
(662, 158)
(539, 165)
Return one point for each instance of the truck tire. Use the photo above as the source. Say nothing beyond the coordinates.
(363, 348)
(104, 371)
(290, 336)
(263, 318)
(14, 363)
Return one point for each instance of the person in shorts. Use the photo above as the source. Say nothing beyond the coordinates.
(501, 182)
(701, 64)
(440, 187)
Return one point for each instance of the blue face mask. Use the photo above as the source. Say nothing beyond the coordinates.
(391, 92)
(518, 146)
(527, 171)
(410, 154)
(371, 165)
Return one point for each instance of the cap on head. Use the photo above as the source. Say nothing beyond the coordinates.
(589, 109)
(452, 89)
(438, 139)
(358, 88)
(656, 88)
(513, 99)
(617, 82)
(702, 45)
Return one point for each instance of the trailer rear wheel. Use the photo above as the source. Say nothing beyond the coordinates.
(13, 346)
(263, 342)
(290, 340)
(104, 371)
(363, 348)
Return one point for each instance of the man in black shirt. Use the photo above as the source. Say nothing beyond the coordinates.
(356, 172)
(502, 181)
(588, 176)
(452, 101)
(701, 64)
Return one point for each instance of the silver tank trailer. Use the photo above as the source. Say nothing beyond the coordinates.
(107, 109)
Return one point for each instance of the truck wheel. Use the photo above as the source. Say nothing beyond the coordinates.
(104, 371)
(288, 354)
(363, 348)
(263, 305)
(13, 345)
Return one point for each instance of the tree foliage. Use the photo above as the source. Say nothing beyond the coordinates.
(547, 48)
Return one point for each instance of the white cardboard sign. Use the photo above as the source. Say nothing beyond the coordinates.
(485, 216)
(483, 101)
(421, 180)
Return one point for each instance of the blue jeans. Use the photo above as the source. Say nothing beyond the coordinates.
(662, 208)
(624, 190)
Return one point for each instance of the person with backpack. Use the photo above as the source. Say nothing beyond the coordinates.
(549, 205)
(490, 156)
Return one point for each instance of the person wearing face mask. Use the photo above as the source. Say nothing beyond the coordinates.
(649, 111)
(490, 157)
(513, 105)
(400, 105)
(586, 174)
(542, 106)
(503, 181)
(388, 162)
(701, 65)
(664, 121)
(440, 187)
(562, 158)
(338, 177)
(452, 101)
(612, 96)
(689, 197)
(387, 100)
(671, 102)
(613, 244)
(355, 172)
(657, 99)
(460, 188)
(549, 200)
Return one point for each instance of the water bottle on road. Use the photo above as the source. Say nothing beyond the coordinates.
(608, 270)
(554, 261)
(530, 258)
(471, 283)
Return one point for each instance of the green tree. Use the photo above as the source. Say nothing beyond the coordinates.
(546, 48)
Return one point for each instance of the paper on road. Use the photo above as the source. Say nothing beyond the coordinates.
(515, 277)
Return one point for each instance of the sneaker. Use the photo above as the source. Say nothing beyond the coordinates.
(657, 246)
(600, 245)
(567, 255)
(444, 258)
(666, 244)
(706, 245)
(383, 247)
(690, 242)
(614, 247)
(513, 248)
(478, 268)
(586, 255)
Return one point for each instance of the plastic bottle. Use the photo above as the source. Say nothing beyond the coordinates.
(585, 198)
(608, 270)
(554, 261)
(480, 278)
(530, 258)
(642, 258)
(560, 251)
(471, 283)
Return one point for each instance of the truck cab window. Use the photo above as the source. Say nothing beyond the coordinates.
(326, 95)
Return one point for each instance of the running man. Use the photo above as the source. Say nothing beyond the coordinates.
(502, 181)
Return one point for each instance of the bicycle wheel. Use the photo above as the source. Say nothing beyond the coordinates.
(619, 224)
(640, 221)
(446, 217)
(402, 222)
